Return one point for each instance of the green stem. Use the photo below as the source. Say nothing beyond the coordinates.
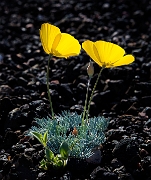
(86, 101)
(93, 93)
(49, 96)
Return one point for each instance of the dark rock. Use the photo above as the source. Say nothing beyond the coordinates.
(109, 176)
(22, 81)
(148, 123)
(145, 101)
(132, 110)
(13, 176)
(5, 90)
(102, 98)
(5, 163)
(25, 108)
(6, 105)
(115, 134)
(143, 153)
(122, 93)
(19, 90)
(144, 87)
(18, 148)
(1, 58)
(97, 173)
(10, 138)
(147, 112)
(77, 108)
(126, 176)
(31, 62)
(35, 104)
(25, 161)
(82, 167)
(120, 171)
(43, 176)
(146, 146)
(12, 81)
(6, 167)
(117, 86)
(81, 87)
(29, 151)
(127, 151)
(146, 162)
(116, 163)
(16, 118)
(66, 92)
(38, 146)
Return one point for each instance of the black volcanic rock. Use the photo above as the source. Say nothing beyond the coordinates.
(123, 94)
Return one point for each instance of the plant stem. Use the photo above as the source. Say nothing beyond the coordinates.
(93, 93)
(49, 96)
(86, 101)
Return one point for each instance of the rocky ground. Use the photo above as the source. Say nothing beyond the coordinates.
(123, 93)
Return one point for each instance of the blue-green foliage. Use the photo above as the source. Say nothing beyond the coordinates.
(60, 130)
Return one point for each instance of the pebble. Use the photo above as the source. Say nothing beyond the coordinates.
(5, 90)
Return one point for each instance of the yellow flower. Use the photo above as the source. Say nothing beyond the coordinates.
(58, 44)
(107, 54)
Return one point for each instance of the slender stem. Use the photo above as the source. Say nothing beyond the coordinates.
(86, 101)
(93, 93)
(49, 96)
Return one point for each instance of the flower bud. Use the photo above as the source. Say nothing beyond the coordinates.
(75, 131)
(90, 69)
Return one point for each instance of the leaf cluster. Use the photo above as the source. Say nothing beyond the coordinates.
(59, 130)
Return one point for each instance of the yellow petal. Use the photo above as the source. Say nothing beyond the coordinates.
(108, 53)
(65, 45)
(56, 41)
(88, 46)
(98, 61)
(48, 33)
(127, 59)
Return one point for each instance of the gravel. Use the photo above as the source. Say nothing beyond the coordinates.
(123, 94)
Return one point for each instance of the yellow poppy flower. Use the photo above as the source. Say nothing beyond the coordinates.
(58, 44)
(107, 54)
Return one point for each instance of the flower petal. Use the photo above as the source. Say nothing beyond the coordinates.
(108, 52)
(65, 45)
(127, 59)
(88, 46)
(98, 61)
(48, 33)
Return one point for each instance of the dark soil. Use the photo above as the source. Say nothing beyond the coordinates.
(123, 93)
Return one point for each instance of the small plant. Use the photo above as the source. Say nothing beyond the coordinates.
(70, 134)
(51, 160)
(66, 136)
